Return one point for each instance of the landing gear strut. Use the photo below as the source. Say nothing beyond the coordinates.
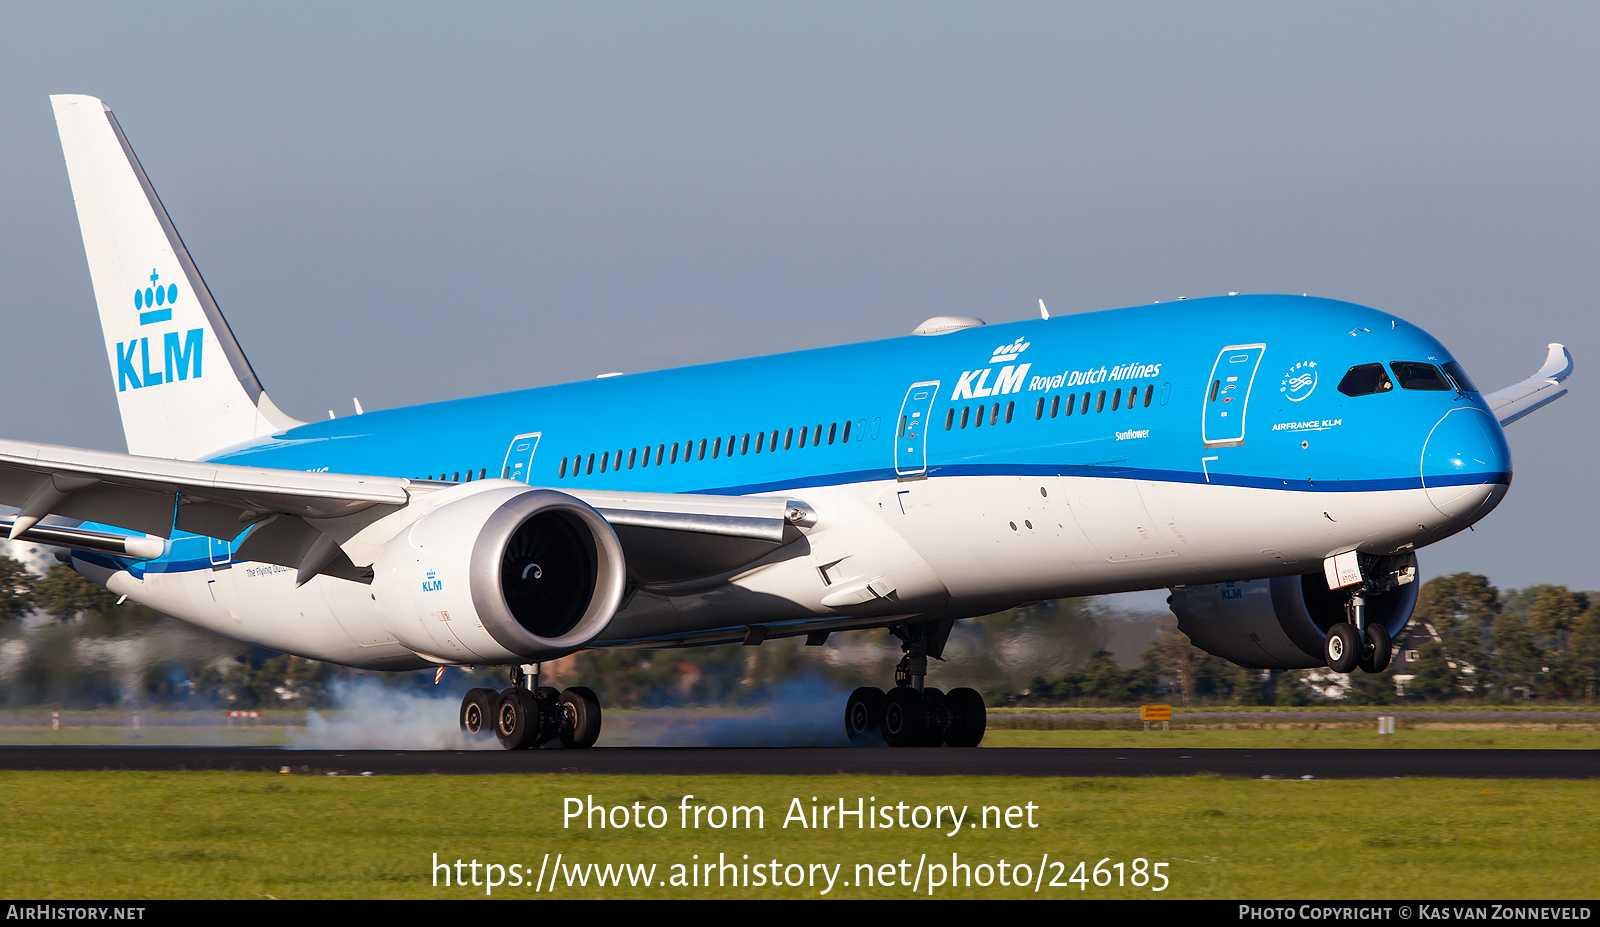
(911, 714)
(526, 714)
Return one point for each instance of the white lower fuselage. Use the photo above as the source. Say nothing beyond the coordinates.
(881, 551)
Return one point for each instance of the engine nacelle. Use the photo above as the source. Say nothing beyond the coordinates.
(1283, 622)
(507, 575)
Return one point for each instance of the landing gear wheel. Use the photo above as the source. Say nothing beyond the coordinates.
(477, 712)
(937, 718)
(549, 701)
(516, 719)
(580, 710)
(905, 717)
(863, 715)
(1378, 652)
(967, 718)
(1343, 648)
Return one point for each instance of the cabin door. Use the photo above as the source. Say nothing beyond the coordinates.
(1228, 394)
(519, 457)
(911, 431)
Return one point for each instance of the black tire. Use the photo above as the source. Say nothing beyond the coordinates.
(863, 716)
(1343, 648)
(581, 723)
(549, 700)
(905, 717)
(1379, 651)
(477, 712)
(968, 718)
(937, 718)
(516, 719)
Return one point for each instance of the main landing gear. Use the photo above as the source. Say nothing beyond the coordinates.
(1358, 643)
(526, 715)
(910, 714)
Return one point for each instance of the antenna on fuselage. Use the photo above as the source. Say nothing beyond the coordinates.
(1043, 312)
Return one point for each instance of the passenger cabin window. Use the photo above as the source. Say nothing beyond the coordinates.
(1364, 380)
(1416, 375)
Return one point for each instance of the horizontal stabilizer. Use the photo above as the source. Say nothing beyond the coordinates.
(1539, 390)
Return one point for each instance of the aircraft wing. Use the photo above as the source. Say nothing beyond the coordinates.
(1539, 390)
(305, 517)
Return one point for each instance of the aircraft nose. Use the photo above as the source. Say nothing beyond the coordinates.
(1466, 465)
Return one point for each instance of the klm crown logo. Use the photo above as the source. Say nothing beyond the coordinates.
(432, 584)
(154, 302)
(1008, 352)
(176, 355)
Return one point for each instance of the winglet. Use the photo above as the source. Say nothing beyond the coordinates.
(1539, 390)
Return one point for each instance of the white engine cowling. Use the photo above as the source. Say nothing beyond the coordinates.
(1278, 623)
(508, 575)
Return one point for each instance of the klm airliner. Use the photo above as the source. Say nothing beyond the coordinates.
(1274, 460)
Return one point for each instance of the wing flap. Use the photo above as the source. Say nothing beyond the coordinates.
(155, 494)
(670, 538)
(317, 522)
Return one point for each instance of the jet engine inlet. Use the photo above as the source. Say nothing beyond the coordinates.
(507, 574)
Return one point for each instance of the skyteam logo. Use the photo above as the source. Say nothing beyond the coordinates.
(1300, 381)
(149, 302)
(974, 383)
(177, 354)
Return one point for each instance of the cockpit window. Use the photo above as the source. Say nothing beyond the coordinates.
(1364, 380)
(1459, 377)
(1414, 375)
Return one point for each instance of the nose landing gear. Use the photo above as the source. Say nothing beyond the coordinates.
(910, 714)
(1358, 643)
(526, 715)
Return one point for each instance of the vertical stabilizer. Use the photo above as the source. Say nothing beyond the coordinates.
(184, 387)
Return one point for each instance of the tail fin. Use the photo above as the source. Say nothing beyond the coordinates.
(184, 387)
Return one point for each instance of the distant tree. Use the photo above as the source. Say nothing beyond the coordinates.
(16, 589)
(1198, 674)
(1553, 612)
(1250, 689)
(1292, 688)
(1585, 646)
(1434, 677)
(1462, 607)
(1515, 664)
(66, 594)
(1372, 688)
(1103, 678)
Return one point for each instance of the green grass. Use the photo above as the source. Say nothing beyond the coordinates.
(1475, 737)
(247, 835)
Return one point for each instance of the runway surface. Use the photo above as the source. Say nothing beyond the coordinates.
(1018, 761)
